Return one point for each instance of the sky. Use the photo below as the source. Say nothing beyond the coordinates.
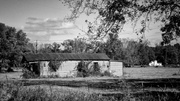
(43, 20)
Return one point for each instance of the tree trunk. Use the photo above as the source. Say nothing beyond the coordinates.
(0, 68)
(165, 60)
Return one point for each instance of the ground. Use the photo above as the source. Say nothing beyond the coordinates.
(129, 73)
(137, 81)
(11, 75)
(151, 72)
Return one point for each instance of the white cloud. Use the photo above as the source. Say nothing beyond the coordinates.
(40, 29)
(67, 25)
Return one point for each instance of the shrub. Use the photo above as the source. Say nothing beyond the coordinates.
(94, 70)
(27, 74)
(106, 73)
(9, 90)
(82, 69)
(53, 76)
(54, 65)
(10, 69)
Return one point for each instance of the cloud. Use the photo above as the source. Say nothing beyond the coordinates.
(33, 18)
(48, 24)
(39, 27)
(63, 32)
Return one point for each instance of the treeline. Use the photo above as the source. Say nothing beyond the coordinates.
(14, 43)
(129, 51)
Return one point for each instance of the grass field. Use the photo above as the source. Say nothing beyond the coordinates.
(85, 90)
(11, 75)
(128, 87)
(138, 72)
(151, 72)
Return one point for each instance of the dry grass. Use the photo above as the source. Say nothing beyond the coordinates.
(17, 92)
(151, 72)
(138, 72)
(14, 91)
(62, 93)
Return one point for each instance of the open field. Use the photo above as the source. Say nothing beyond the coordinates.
(128, 89)
(151, 72)
(129, 73)
(137, 83)
(11, 75)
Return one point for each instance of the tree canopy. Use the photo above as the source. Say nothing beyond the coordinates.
(12, 44)
(113, 14)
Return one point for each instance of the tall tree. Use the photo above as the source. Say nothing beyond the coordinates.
(131, 53)
(113, 47)
(31, 48)
(177, 45)
(56, 47)
(13, 45)
(78, 45)
(172, 55)
(145, 53)
(68, 46)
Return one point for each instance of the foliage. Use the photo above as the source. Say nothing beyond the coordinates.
(54, 65)
(53, 76)
(106, 73)
(49, 48)
(78, 45)
(82, 69)
(113, 14)
(9, 90)
(13, 43)
(68, 46)
(31, 48)
(16, 92)
(113, 47)
(129, 51)
(168, 54)
(145, 53)
(171, 30)
(55, 47)
(93, 70)
(27, 74)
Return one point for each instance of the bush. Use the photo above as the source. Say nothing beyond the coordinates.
(94, 70)
(10, 69)
(106, 73)
(82, 69)
(53, 76)
(54, 65)
(27, 74)
(3, 66)
(9, 90)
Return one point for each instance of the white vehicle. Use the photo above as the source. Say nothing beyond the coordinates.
(155, 63)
